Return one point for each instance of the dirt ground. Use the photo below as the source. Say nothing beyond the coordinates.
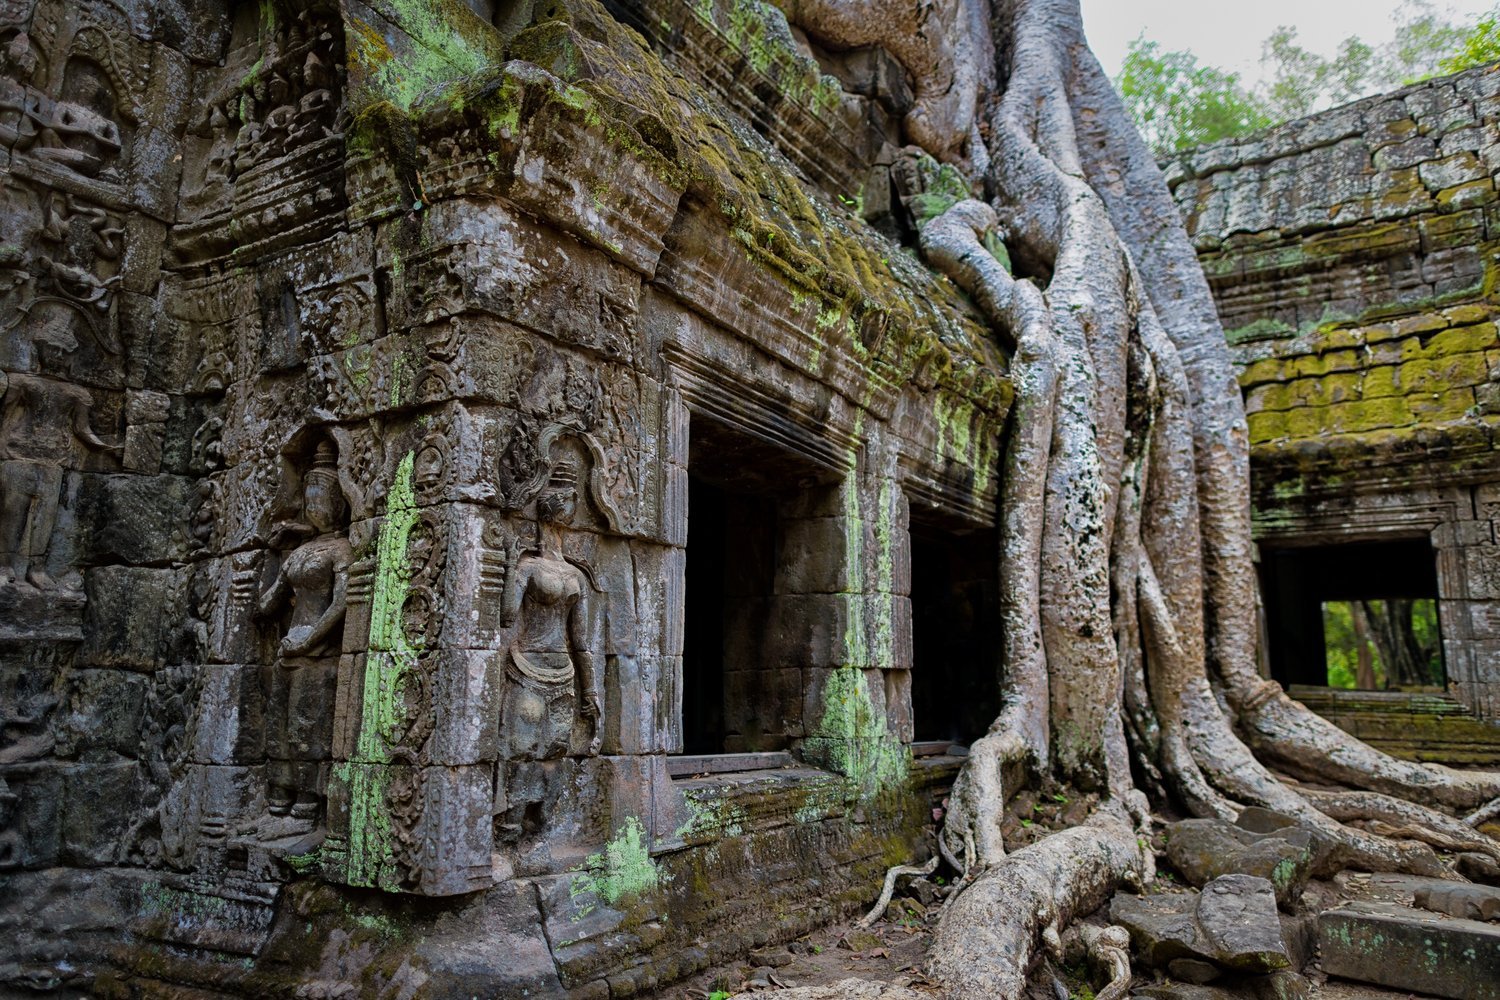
(894, 949)
(891, 952)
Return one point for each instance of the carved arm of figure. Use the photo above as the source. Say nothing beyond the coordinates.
(583, 656)
(84, 432)
(515, 583)
(583, 661)
(11, 410)
(303, 639)
(275, 596)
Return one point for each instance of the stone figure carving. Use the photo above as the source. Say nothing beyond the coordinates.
(290, 102)
(87, 241)
(40, 419)
(67, 113)
(58, 274)
(312, 580)
(551, 666)
(79, 130)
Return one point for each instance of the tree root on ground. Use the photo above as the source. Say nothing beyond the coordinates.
(889, 889)
(990, 932)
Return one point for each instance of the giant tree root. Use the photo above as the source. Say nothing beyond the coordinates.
(1127, 585)
(990, 932)
(1109, 948)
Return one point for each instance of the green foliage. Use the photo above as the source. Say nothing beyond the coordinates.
(1341, 645)
(945, 187)
(1301, 81)
(1424, 39)
(1347, 632)
(1479, 47)
(1178, 103)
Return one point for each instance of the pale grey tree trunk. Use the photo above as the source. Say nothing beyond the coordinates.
(1128, 609)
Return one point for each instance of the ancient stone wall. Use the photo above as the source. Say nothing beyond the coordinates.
(1353, 255)
(360, 360)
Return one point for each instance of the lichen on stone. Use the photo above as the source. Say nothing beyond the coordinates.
(624, 869)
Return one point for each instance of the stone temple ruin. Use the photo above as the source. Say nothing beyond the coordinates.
(522, 539)
(1353, 256)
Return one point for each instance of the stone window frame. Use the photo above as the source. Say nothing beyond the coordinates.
(1443, 515)
(697, 384)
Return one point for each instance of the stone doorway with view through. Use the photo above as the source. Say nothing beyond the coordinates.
(1360, 616)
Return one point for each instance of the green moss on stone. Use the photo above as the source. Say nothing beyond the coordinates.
(623, 869)
(392, 655)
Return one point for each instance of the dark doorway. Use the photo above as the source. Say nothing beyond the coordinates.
(735, 699)
(955, 682)
(703, 621)
(1359, 615)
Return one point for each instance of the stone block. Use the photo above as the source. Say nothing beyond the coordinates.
(630, 691)
(613, 604)
(99, 803)
(31, 801)
(133, 616)
(813, 630)
(1450, 171)
(628, 790)
(1479, 576)
(233, 634)
(100, 712)
(583, 299)
(1233, 923)
(1483, 619)
(1205, 849)
(31, 615)
(1409, 949)
(593, 935)
(231, 722)
(1471, 902)
(466, 687)
(814, 557)
(674, 528)
(197, 29)
(494, 947)
(455, 830)
(558, 182)
(762, 707)
(667, 730)
(889, 628)
(898, 711)
(135, 519)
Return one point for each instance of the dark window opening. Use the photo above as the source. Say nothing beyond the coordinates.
(955, 678)
(1361, 615)
(740, 692)
(703, 621)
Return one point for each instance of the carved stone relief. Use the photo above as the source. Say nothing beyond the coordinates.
(44, 423)
(551, 673)
(279, 96)
(552, 617)
(59, 267)
(66, 99)
(307, 590)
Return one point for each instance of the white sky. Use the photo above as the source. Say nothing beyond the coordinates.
(1228, 34)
